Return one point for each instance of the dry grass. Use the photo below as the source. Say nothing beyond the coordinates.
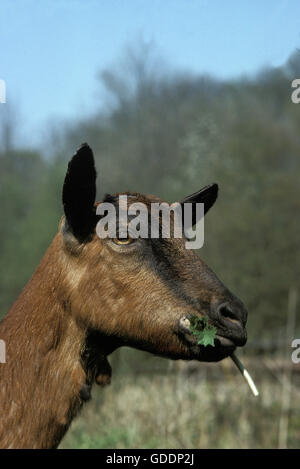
(210, 409)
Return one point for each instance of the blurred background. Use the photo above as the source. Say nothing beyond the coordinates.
(171, 96)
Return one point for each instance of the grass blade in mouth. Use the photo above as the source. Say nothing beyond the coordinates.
(245, 373)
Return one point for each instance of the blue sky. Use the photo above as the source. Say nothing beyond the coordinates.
(51, 51)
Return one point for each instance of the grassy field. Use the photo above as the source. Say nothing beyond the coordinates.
(203, 406)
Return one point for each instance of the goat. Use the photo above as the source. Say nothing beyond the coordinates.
(90, 296)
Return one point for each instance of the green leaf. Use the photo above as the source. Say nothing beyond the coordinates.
(204, 332)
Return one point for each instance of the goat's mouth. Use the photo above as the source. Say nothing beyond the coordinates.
(223, 346)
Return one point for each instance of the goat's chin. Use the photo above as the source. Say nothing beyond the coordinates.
(187, 351)
(209, 353)
(199, 353)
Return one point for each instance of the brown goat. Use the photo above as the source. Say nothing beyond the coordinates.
(90, 296)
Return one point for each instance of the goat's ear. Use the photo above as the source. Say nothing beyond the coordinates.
(208, 195)
(79, 193)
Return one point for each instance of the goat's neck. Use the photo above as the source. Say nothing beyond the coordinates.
(43, 382)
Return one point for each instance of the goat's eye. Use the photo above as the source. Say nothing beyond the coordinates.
(123, 241)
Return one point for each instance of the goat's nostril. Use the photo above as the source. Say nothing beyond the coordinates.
(225, 311)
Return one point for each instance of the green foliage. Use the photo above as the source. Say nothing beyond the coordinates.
(203, 331)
